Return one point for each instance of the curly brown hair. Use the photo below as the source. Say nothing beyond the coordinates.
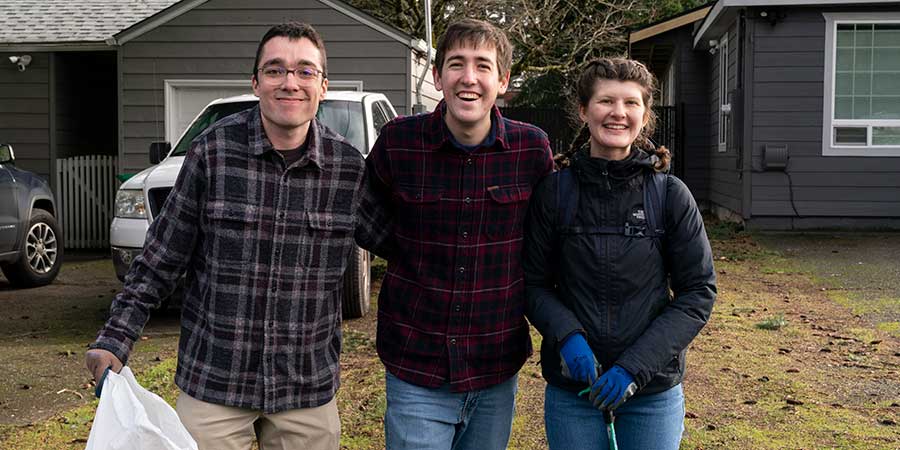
(623, 69)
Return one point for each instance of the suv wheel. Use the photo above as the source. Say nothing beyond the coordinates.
(357, 280)
(41, 256)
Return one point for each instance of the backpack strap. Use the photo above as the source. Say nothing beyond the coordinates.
(566, 199)
(655, 190)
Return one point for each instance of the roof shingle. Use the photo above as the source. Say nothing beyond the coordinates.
(62, 21)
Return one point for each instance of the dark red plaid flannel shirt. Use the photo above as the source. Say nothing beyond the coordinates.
(451, 307)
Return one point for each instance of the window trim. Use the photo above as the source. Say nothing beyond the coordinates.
(345, 85)
(724, 105)
(832, 20)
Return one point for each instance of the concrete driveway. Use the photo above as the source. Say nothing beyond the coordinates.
(859, 269)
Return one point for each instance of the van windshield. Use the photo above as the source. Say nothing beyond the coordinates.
(344, 117)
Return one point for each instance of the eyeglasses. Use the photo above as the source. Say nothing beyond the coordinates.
(277, 74)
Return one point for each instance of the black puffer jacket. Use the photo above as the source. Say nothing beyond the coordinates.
(614, 288)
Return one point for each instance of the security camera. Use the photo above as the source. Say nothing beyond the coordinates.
(21, 61)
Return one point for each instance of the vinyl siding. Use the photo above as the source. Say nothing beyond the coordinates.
(725, 186)
(692, 79)
(787, 109)
(24, 112)
(218, 40)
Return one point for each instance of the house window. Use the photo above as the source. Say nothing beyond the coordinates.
(862, 85)
(724, 104)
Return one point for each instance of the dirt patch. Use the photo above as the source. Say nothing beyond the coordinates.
(45, 331)
(828, 377)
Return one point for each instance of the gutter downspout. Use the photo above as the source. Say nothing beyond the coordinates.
(419, 107)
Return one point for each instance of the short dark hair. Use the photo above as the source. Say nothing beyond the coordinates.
(474, 33)
(293, 30)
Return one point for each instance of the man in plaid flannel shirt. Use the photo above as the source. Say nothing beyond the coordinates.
(260, 221)
(447, 194)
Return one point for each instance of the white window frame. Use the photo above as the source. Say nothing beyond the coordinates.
(724, 105)
(345, 85)
(829, 148)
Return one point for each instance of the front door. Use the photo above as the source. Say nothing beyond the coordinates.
(9, 214)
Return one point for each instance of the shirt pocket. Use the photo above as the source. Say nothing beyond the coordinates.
(330, 223)
(329, 243)
(233, 228)
(420, 211)
(505, 210)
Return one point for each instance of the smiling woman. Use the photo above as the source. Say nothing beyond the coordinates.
(622, 336)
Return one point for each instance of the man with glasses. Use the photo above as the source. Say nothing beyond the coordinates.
(261, 223)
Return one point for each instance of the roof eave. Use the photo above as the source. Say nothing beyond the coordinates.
(149, 24)
(177, 9)
(668, 25)
(73, 46)
(377, 25)
(724, 10)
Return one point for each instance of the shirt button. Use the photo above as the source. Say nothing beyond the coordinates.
(274, 289)
(458, 307)
(281, 215)
(465, 234)
(468, 200)
(462, 270)
(469, 161)
(452, 341)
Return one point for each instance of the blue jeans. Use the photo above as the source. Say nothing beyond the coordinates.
(654, 421)
(421, 418)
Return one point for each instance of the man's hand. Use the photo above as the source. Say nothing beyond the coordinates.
(98, 360)
(612, 389)
(578, 361)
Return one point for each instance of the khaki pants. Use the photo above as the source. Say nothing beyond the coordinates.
(218, 427)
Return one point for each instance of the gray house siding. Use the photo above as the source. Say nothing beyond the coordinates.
(218, 40)
(787, 101)
(692, 79)
(25, 112)
(725, 185)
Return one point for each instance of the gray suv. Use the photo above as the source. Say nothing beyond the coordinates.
(30, 239)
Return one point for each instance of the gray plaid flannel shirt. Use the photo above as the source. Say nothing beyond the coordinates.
(263, 249)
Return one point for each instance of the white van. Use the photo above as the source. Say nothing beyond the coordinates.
(358, 116)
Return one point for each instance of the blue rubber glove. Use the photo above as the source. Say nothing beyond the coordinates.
(578, 361)
(612, 389)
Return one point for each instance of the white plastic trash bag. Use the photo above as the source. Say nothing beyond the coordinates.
(130, 417)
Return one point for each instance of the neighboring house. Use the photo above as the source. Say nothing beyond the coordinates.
(109, 77)
(788, 111)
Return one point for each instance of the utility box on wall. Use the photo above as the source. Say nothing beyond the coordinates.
(775, 157)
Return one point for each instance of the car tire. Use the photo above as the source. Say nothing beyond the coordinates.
(357, 282)
(41, 254)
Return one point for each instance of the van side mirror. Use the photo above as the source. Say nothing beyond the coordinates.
(6, 154)
(158, 151)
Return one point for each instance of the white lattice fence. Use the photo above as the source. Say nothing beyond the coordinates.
(86, 190)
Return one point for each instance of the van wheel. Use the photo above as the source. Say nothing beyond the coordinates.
(357, 279)
(41, 255)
